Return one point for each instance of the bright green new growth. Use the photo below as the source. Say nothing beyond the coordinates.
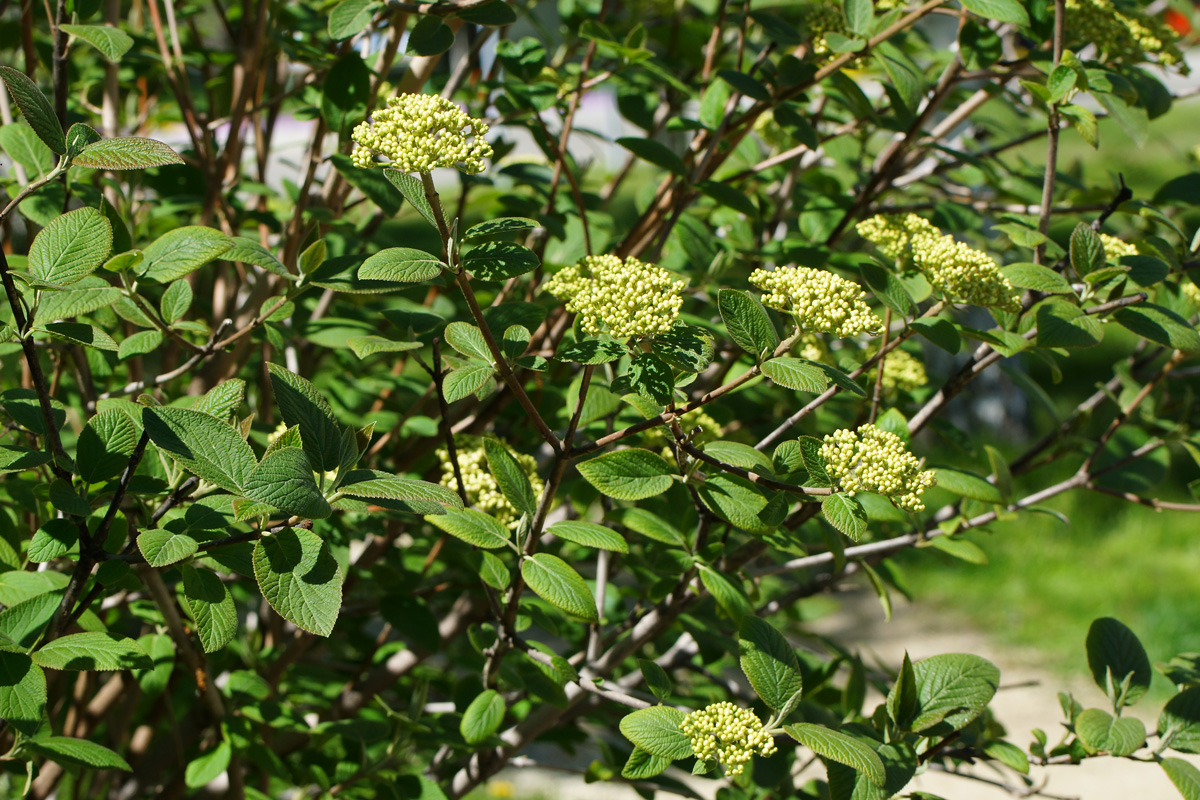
(624, 299)
(727, 734)
(874, 460)
(420, 133)
(961, 273)
(819, 300)
(1123, 33)
(482, 490)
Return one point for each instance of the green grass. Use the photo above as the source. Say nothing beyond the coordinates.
(1047, 581)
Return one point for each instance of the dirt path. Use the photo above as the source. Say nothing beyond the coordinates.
(1028, 699)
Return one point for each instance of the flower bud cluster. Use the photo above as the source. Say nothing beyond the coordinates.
(903, 371)
(960, 273)
(819, 300)
(483, 492)
(1123, 33)
(1191, 292)
(821, 18)
(874, 460)
(725, 733)
(813, 348)
(621, 298)
(419, 133)
(1114, 248)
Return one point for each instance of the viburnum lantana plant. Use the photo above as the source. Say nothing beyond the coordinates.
(388, 388)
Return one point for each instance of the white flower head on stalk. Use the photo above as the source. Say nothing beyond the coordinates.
(727, 734)
(420, 133)
(871, 459)
(820, 301)
(624, 299)
(960, 273)
(482, 490)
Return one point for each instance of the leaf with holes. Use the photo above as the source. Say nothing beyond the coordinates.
(300, 578)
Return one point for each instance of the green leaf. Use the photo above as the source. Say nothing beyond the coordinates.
(499, 228)
(1061, 324)
(510, 476)
(210, 603)
(36, 108)
(499, 261)
(653, 152)
(347, 87)
(111, 42)
(126, 152)
(553, 580)
(301, 404)
(859, 16)
(962, 549)
(999, 10)
(24, 622)
(430, 37)
(92, 651)
(589, 535)
(1159, 325)
(284, 479)
(796, 374)
(728, 196)
(642, 765)
(657, 680)
(839, 747)
(421, 496)
(1084, 122)
(656, 730)
(473, 527)
(1087, 250)
(77, 752)
(747, 322)
(160, 547)
(54, 539)
(888, 288)
(1181, 718)
(593, 351)
(1118, 736)
(413, 191)
(1037, 277)
(300, 578)
(770, 664)
(80, 333)
(1114, 652)
(493, 13)
(466, 381)
(246, 251)
(80, 136)
(1133, 120)
(19, 459)
(71, 247)
(737, 501)
(201, 444)
(729, 596)
(952, 690)
(846, 514)
(181, 251)
(366, 346)
(965, 484)
(685, 348)
(104, 445)
(22, 692)
(401, 264)
(139, 344)
(482, 717)
(351, 17)
(25, 148)
(650, 377)
(1009, 755)
(176, 301)
(639, 520)
(631, 474)
(1060, 82)
(205, 769)
(222, 400)
(468, 340)
(1185, 777)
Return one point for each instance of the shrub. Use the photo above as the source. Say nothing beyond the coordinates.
(333, 469)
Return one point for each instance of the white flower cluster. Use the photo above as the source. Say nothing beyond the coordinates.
(725, 733)
(819, 300)
(874, 460)
(960, 273)
(1114, 248)
(419, 133)
(1124, 33)
(483, 492)
(902, 370)
(621, 298)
